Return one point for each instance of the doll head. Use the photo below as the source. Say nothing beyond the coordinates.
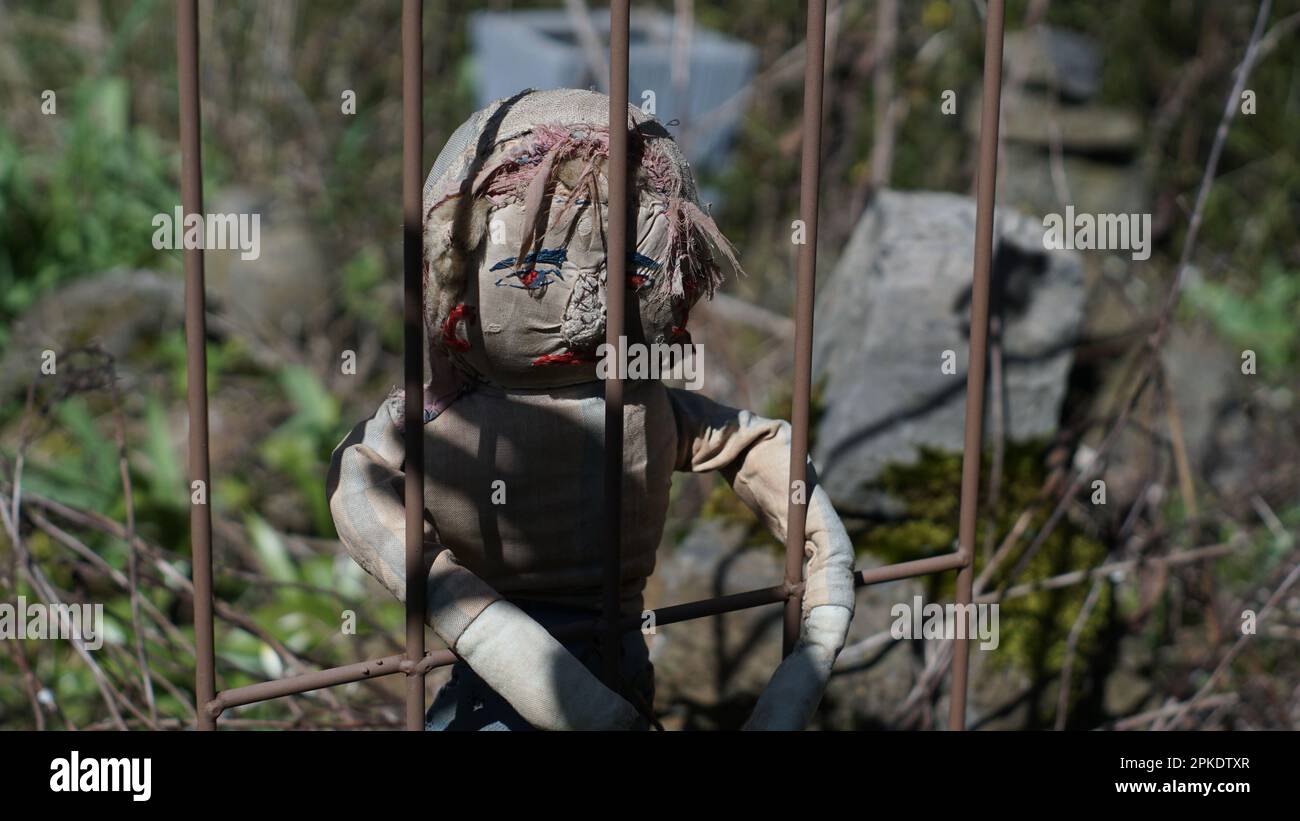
(515, 215)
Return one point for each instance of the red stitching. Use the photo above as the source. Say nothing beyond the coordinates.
(566, 358)
(450, 338)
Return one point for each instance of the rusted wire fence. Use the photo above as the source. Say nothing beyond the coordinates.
(415, 663)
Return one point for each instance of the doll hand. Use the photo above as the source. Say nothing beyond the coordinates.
(791, 697)
(542, 680)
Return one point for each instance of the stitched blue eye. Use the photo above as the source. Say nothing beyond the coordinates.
(642, 273)
(539, 269)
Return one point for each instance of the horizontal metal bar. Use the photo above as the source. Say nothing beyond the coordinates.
(435, 659)
(917, 567)
(388, 665)
(672, 614)
(724, 604)
(317, 679)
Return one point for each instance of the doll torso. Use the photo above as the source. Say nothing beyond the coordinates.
(515, 486)
(516, 254)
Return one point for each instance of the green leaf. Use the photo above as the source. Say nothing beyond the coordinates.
(271, 552)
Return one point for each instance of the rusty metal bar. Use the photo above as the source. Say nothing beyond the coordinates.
(388, 665)
(672, 614)
(196, 361)
(687, 611)
(721, 604)
(413, 353)
(334, 676)
(985, 198)
(809, 173)
(615, 289)
(906, 570)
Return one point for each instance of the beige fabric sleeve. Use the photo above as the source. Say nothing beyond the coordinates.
(753, 453)
(366, 497)
(791, 697)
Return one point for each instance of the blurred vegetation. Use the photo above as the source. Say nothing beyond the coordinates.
(75, 208)
(1265, 319)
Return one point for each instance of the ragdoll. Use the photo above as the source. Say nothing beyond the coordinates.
(515, 216)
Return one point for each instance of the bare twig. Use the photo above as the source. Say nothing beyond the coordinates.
(1140, 720)
(732, 309)
(106, 689)
(580, 19)
(124, 471)
(886, 107)
(785, 69)
(683, 34)
(32, 684)
(1183, 465)
(1235, 650)
(1071, 643)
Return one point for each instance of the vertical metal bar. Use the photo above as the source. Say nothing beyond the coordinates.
(615, 290)
(196, 362)
(985, 191)
(413, 352)
(809, 173)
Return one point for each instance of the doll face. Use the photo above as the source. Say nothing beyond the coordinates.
(532, 315)
(537, 322)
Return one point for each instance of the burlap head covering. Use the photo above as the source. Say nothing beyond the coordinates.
(515, 213)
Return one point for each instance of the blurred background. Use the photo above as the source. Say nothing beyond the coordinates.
(1121, 603)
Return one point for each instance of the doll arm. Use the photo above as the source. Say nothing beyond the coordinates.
(753, 453)
(514, 654)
